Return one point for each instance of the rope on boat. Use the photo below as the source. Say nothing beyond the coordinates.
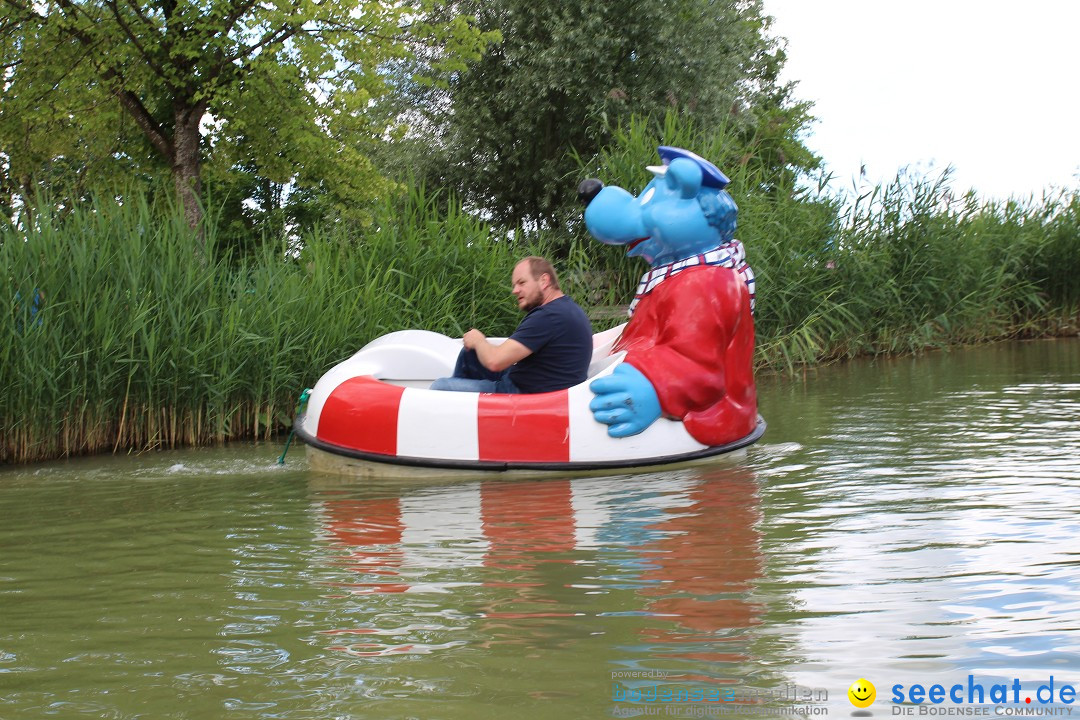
(300, 405)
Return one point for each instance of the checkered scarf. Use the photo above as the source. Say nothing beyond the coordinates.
(731, 255)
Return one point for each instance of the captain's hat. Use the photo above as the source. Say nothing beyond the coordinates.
(710, 174)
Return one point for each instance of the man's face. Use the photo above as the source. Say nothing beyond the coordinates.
(528, 290)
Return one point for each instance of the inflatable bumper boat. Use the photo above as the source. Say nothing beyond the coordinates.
(373, 415)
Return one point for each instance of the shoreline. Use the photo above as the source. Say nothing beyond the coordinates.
(105, 443)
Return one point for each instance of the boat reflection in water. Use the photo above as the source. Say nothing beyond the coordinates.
(649, 573)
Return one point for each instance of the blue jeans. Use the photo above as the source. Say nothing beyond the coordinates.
(471, 376)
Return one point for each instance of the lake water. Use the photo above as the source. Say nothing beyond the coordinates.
(910, 522)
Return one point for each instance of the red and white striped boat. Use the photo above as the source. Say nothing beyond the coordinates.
(372, 415)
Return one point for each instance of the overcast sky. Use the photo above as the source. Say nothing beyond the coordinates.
(986, 86)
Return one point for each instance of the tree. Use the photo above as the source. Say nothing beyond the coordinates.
(567, 72)
(54, 143)
(292, 79)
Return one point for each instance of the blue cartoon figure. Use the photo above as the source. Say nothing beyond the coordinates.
(690, 338)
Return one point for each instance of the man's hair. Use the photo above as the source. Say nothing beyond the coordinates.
(539, 266)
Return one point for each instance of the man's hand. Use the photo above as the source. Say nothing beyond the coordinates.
(495, 358)
(473, 338)
(625, 401)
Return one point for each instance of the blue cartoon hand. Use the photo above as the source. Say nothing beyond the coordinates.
(625, 401)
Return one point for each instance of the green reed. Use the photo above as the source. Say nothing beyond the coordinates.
(141, 342)
(895, 268)
(909, 266)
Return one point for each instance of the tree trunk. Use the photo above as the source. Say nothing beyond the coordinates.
(186, 164)
(181, 150)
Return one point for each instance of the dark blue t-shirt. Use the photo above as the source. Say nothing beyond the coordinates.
(560, 337)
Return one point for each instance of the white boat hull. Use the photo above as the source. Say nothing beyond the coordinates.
(372, 415)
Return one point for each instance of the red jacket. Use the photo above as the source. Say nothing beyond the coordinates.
(693, 338)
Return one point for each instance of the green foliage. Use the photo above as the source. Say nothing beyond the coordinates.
(138, 346)
(772, 210)
(898, 269)
(566, 73)
(1044, 244)
(910, 266)
(64, 144)
(286, 88)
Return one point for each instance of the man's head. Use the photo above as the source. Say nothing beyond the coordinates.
(534, 283)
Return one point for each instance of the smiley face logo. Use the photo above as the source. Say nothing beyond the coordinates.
(862, 693)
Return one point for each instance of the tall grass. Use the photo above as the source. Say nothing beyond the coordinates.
(910, 266)
(141, 343)
(898, 268)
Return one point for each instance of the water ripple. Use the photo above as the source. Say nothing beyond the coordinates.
(906, 521)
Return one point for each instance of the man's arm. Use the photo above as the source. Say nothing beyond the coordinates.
(495, 357)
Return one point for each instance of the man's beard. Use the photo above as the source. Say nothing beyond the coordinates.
(533, 302)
